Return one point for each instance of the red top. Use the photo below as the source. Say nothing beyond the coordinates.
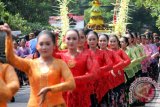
(124, 57)
(126, 62)
(117, 65)
(116, 59)
(104, 63)
(86, 45)
(79, 66)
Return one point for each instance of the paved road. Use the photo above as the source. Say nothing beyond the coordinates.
(21, 98)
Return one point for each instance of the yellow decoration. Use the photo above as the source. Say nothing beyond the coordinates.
(96, 13)
(122, 18)
(63, 45)
(96, 21)
(96, 3)
(64, 19)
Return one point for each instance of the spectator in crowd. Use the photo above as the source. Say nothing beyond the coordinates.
(33, 41)
(23, 51)
(157, 41)
(15, 46)
(27, 40)
(155, 34)
(31, 36)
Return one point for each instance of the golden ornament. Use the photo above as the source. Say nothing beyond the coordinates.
(71, 63)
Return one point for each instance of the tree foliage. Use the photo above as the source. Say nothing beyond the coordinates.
(158, 22)
(28, 15)
(153, 6)
(31, 10)
(141, 19)
(144, 14)
(15, 21)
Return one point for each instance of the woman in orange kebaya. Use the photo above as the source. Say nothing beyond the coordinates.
(45, 73)
(9, 83)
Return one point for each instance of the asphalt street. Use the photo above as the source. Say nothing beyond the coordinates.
(21, 98)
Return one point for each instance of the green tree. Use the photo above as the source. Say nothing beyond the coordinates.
(158, 22)
(35, 13)
(31, 10)
(141, 19)
(153, 6)
(16, 22)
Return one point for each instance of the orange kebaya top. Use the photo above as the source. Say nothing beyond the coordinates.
(9, 83)
(40, 78)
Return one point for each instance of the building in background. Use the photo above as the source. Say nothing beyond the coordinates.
(76, 22)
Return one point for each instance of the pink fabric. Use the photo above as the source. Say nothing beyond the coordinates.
(147, 61)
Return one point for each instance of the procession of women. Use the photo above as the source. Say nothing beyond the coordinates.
(103, 64)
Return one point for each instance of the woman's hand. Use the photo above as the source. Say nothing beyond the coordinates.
(6, 29)
(112, 72)
(119, 72)
(43, 93)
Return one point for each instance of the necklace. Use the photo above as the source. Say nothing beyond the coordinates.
(71, 62)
